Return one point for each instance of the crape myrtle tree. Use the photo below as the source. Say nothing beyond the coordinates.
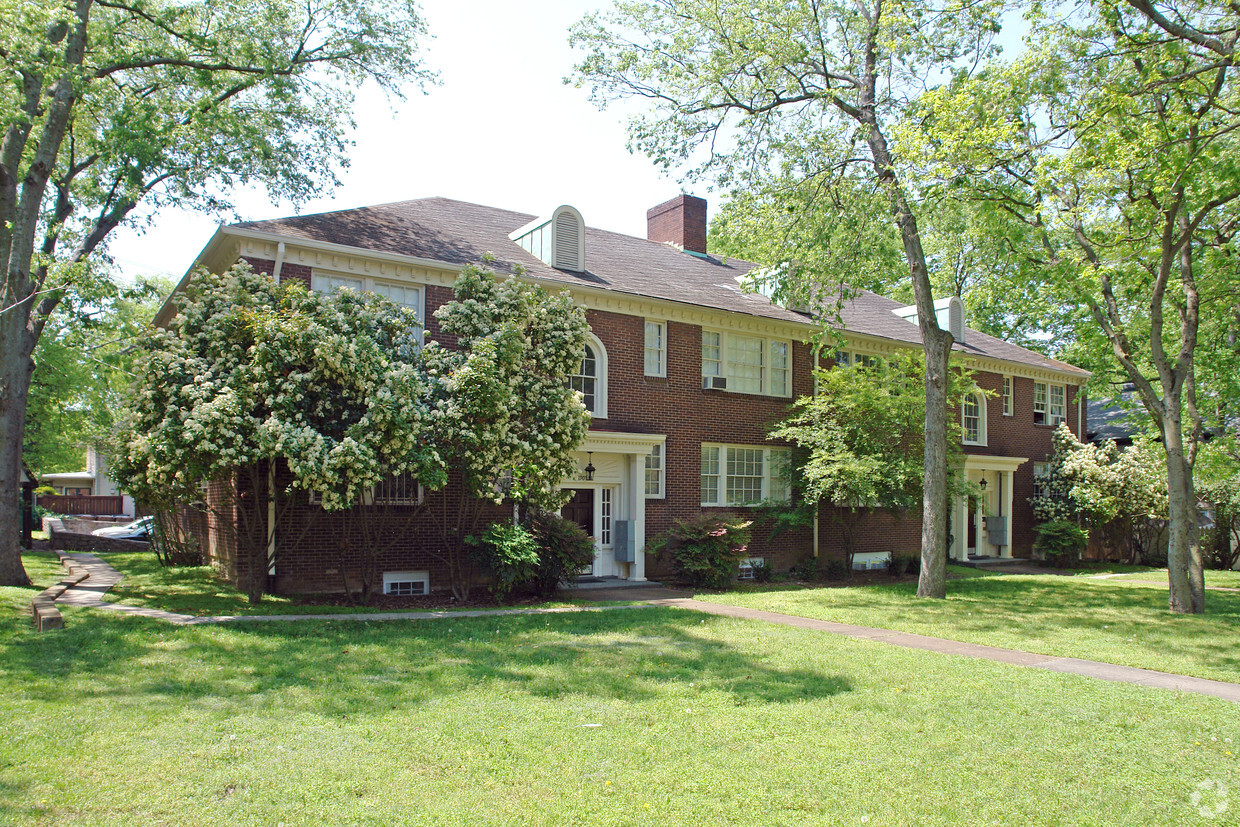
(110, 110)
(807, 91)
(1107, 152)
(502, 415)
(252, 376)
(863, 433)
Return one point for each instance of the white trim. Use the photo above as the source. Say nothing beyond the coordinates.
(721, 489)
(768, 343)
(661, 368)
(662, 469)
(230, 243)
(600, 375)
(618, 442)
(1007, 391)
(391, 578)
(979, 399)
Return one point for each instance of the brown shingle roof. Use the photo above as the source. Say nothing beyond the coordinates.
(457, 232)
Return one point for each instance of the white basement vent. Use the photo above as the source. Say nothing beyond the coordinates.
(558, 240)
(948, 311)
(406, 582)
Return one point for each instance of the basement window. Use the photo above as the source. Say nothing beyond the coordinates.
(406, 583)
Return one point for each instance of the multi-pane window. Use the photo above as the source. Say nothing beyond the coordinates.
(780, 369)
(1041, 471)
(327, 284)
(398, 490)
(1008, 405)
(746, 364)
(710, 474)
(656, 349)
(585, 380)
(974, 420)
(1058, 404)
(604, 517)
(712, 353)
(654, 472)
(743, 475)
(1048, 404)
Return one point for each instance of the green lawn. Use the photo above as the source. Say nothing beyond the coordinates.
(701, 720)
(1117, 620)
(195, 590)
(1219, 579)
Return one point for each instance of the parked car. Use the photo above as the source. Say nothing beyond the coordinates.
(137, 530)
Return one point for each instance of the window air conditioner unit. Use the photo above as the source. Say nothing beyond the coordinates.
(714, 383)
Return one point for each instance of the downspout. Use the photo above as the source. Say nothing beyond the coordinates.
(275, 272)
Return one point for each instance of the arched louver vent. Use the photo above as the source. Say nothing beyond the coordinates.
(559, 240)
(568, 245)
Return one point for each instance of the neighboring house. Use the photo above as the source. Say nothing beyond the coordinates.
(1118, 418)
(684, 371)
(90, 491)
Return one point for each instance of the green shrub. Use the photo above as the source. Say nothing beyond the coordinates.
(705, 551)
(806, 569)
(511, 552)
(836, 569)
(564, 549)
(762, 571)
(1060, 543)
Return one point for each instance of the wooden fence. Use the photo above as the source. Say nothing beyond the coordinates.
(78, 504)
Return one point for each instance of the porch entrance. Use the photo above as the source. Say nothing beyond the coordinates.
(580, 509)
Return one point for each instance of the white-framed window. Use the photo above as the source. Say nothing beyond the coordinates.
(1049, 405)
(844, 358)
(656, 348)
(746, 364)
(744, 475)
(747, 567)
(973, 419)
(1008, 402)
(590, 380)
(604, 517)
(411, 296)
(399, 490)
(1041, 471)
(406, 582)
(654, 473)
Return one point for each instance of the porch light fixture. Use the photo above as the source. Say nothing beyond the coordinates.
(589, 469)
(983, 483)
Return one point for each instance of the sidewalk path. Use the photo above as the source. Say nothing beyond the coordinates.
(103, 577)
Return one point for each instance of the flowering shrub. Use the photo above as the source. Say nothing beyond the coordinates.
(564, 549)
(705, 551)
(1060, 542)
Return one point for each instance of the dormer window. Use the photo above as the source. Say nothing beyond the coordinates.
(558, 240)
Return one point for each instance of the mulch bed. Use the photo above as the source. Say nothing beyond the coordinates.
(479, 598)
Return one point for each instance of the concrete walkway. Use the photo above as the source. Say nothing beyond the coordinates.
(102, 576)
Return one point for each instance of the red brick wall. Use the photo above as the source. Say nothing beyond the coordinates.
(681, 221)
(1018, 436)
(677, 406)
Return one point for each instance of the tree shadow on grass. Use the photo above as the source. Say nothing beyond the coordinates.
(355, 667)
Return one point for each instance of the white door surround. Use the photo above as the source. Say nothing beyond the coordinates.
(995, 501)
(619, 461)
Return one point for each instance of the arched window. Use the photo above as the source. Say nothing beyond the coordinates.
(591, 378)
(973, 419)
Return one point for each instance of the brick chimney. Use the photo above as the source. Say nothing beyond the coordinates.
(681, 221)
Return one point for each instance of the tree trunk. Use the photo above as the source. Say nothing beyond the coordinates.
(16, 369)
(932, 580)
(1186, 580)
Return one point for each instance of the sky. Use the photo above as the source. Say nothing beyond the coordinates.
(502, 129)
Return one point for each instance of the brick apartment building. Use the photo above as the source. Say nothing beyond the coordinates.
(684, 373)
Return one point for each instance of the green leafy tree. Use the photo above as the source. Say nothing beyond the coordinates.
(503, 416)
(106, 107)
(84, 365)
(254, 377)
(758, 94)
(1108, 148)
(863, 432)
